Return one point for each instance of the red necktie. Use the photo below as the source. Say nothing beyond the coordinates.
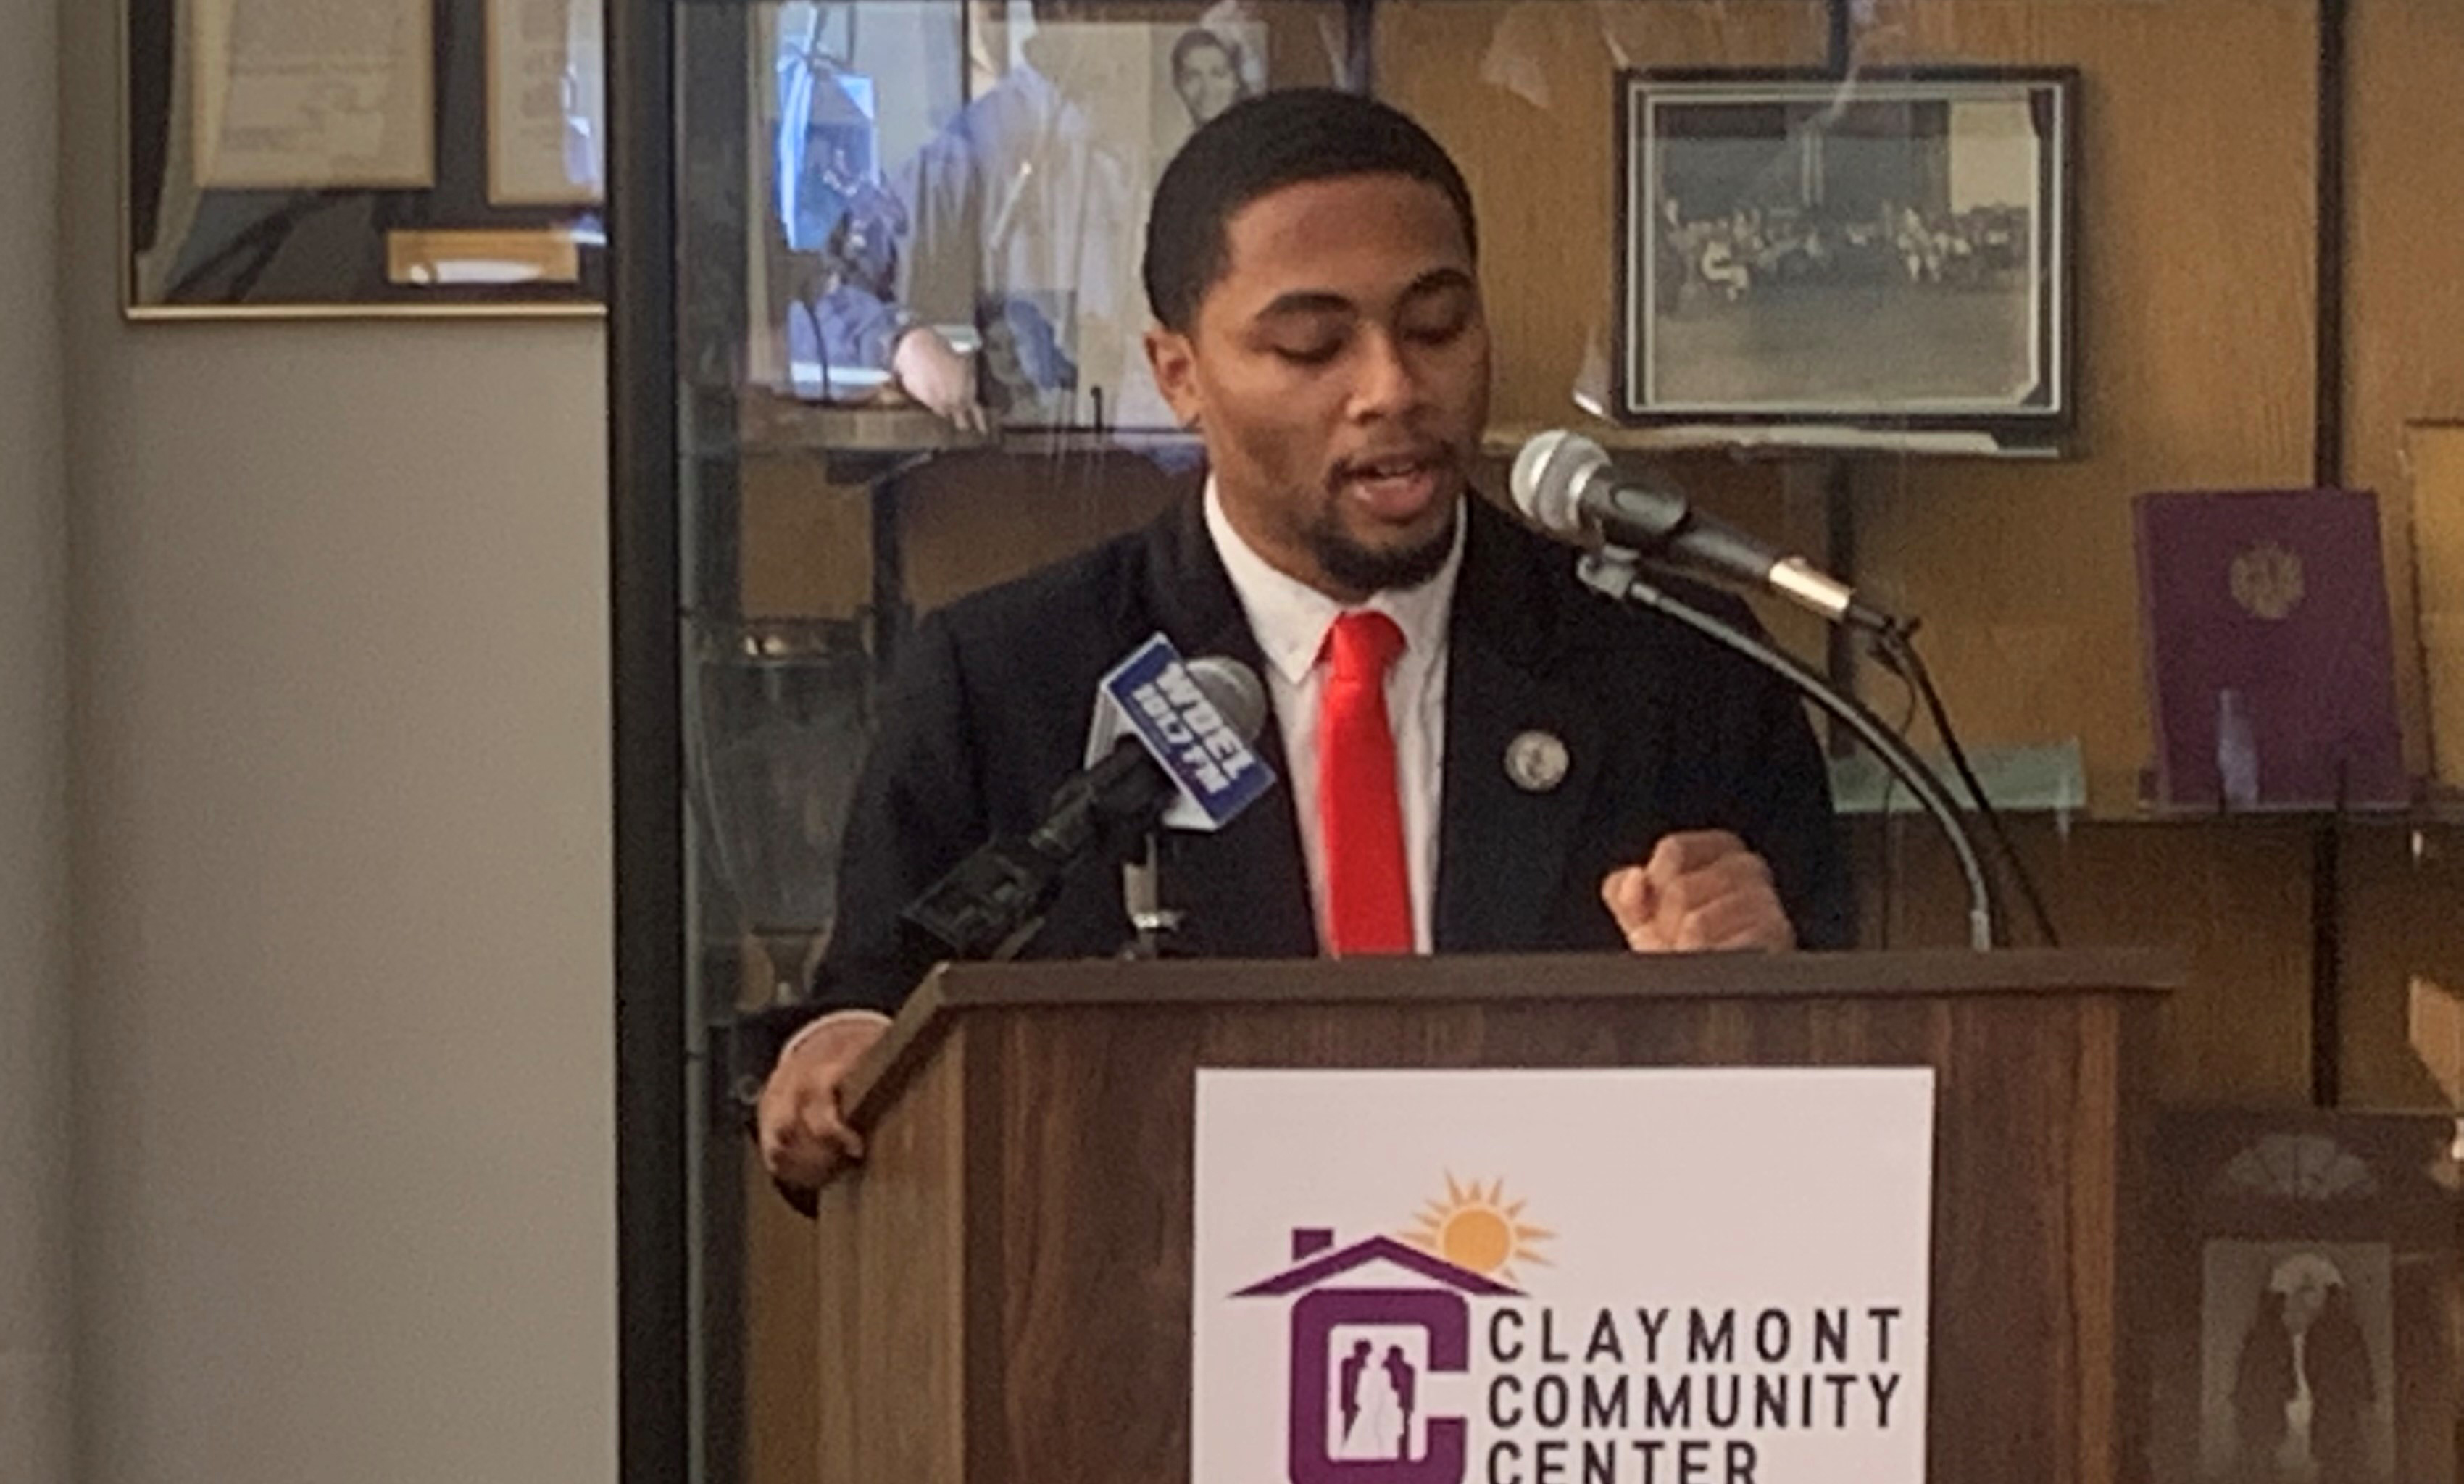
(1368, 891)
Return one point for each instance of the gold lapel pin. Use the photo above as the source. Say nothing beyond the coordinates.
(1536, 761)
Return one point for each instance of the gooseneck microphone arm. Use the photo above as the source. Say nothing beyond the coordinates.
(1618, 573)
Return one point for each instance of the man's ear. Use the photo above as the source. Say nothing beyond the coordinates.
(1174, 364)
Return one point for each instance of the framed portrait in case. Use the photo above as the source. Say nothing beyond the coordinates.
(2303, 1297)
(1893, 249)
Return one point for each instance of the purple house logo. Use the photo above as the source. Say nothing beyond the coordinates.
(1358, 1356)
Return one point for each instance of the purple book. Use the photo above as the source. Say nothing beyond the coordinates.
(2269, 670)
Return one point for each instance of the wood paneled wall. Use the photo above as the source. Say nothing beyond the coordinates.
(2235, 898)
(2198, 312)
(2404, 299)
(2199, 298)
(2197, 292)
(2199, 302)
(2403, 889)
(1524, 97)
(2198, 238)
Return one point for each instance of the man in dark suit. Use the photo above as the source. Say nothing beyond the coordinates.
(1479, 752)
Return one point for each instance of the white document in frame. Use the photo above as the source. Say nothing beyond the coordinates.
(546, 103)
(314, 95)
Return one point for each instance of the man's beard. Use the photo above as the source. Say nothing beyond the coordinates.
(1365, 570)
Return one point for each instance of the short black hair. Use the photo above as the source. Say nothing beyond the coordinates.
(1196, 38)
(1284, 138)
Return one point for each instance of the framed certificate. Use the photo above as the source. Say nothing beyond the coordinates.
(547, 106)
(313, 94)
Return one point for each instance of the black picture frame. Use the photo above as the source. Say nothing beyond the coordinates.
(1891, 250)
(410, 248)
(1132, 53)
(2263, 1216)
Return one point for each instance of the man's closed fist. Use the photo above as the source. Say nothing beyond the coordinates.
(1699, 893)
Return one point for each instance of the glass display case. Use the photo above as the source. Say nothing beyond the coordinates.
(1928, 291)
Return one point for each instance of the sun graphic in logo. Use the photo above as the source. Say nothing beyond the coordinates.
(1477, 1230)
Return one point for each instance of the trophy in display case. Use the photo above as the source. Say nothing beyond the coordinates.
(779, 713)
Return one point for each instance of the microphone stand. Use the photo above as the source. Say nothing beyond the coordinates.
(1153, 926)
(1617, 572)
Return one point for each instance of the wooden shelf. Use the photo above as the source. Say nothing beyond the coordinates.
(891, 434)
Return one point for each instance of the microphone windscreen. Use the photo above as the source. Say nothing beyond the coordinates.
(1549, 476)
(1234, 689)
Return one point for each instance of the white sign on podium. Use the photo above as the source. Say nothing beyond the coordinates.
(1616, 1277)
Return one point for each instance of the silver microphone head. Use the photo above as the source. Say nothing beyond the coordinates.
(1549, 478)
(1234, 690)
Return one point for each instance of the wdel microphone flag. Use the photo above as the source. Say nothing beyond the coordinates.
(1152, 696)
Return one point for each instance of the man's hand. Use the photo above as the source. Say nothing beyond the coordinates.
(935, 374)
(1698, 891)
(804, 1137)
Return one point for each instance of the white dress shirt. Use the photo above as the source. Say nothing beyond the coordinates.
(1291, 619)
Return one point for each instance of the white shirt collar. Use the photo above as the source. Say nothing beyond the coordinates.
(1290, 618)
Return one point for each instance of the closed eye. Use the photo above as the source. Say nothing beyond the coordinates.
(1438, 311)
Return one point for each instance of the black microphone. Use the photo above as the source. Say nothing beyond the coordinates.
(1565, 484)
(991, 902)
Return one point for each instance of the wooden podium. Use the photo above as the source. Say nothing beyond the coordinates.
(1004, 1288)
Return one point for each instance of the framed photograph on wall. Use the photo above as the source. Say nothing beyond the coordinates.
(286, 159)
(1892, 250)
(1083, 113)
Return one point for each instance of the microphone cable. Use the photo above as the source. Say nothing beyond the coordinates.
(1897, 653)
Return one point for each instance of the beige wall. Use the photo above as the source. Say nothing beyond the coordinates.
(345, 1073)
(33, 770)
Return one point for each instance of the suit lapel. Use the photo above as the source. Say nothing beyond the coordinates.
(1245, 887)
(1504, 846)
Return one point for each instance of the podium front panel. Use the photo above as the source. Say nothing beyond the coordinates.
(1028, 1203)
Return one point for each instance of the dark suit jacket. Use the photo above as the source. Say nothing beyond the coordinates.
(988, 713)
